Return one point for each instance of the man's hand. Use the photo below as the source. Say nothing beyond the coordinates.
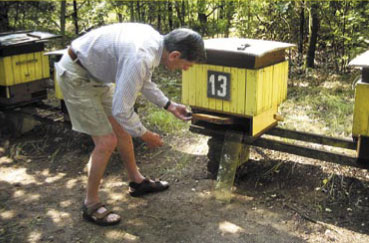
(153, 140)
(180, 111)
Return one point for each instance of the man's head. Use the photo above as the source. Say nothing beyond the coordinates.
(183, 47)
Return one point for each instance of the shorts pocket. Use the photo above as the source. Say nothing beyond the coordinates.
(70, 78)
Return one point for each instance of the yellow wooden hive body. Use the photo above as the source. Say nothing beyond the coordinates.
(254, 93)
(360, 124)
(23, 68)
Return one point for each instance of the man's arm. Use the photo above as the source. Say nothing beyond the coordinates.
(128, 84)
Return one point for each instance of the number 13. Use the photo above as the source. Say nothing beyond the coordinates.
(219, 90)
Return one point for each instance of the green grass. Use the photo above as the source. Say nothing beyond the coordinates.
(320, 106)
(157, 119)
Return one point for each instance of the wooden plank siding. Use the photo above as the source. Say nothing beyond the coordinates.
(23, 68)
(360, 124)
(252, 91)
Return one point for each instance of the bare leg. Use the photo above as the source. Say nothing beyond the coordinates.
(125, 148)
(104, 147)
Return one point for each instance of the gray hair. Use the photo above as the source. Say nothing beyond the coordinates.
(188, 42)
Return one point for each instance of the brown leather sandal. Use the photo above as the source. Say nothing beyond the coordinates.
(91, 214)
(147, 186)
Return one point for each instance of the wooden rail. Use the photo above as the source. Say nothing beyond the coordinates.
(305, 151)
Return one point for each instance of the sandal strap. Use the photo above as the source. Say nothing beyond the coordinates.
(101, 216)
(93, 208)
(93, 211)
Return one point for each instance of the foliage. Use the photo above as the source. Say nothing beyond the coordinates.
(161, 120)
(342, 34)
(323, 106)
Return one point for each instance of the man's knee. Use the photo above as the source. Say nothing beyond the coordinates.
(106, 143)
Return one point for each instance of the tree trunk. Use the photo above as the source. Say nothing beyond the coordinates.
(301, 36)
(120, 17)
(345, 53)
(313, 34)
(170, 15)
(159, 16)
(62, 17)
(132, 11)
(138, 8)
(229, 16)
(4, 18)
(202, 17)
(180, 13)
(183, 12)
(75, 17)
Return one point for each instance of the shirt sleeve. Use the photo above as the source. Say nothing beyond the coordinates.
(151, 92)
(129, 82)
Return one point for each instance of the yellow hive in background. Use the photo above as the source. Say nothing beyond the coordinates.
(360, 126)
(23, 68)
(58, 92)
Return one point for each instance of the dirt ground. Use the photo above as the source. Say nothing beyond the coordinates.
(278, 197)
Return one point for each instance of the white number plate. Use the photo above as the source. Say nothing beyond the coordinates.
(219, 85)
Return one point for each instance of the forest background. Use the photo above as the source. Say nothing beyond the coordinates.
(328, 34)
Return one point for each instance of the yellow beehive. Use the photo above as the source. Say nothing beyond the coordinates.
(23, 68)
(239, 84)
(57, 54)
(360, 126)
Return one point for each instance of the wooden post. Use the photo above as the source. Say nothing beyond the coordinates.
(234, 153)
(363, 150)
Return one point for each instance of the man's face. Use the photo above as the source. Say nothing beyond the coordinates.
(174, 62)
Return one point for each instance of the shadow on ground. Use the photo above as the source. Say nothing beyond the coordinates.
(42, 182)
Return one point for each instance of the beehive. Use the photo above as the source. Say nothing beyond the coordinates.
(23, 67)
(360, 124)
(57, 54)
(241, 77)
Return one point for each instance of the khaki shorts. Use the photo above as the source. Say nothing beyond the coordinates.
(88, 101)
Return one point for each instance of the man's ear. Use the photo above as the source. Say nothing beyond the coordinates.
(174, 55)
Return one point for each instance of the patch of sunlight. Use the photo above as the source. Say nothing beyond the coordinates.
(19, 193)
(137, 222)
(66, 203)
(205, 194)
(303, 84)
(71, 183)
(114, 183)
(137, 204)
(34, 236)
(13, 176)
(32, 197)
(28, 197)
(57, 216)
(52, 179)
(198, 147)
(9, 214)
(5, 160)
(121, 236)
(227, 227)
(334, 85)
(118, 196)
